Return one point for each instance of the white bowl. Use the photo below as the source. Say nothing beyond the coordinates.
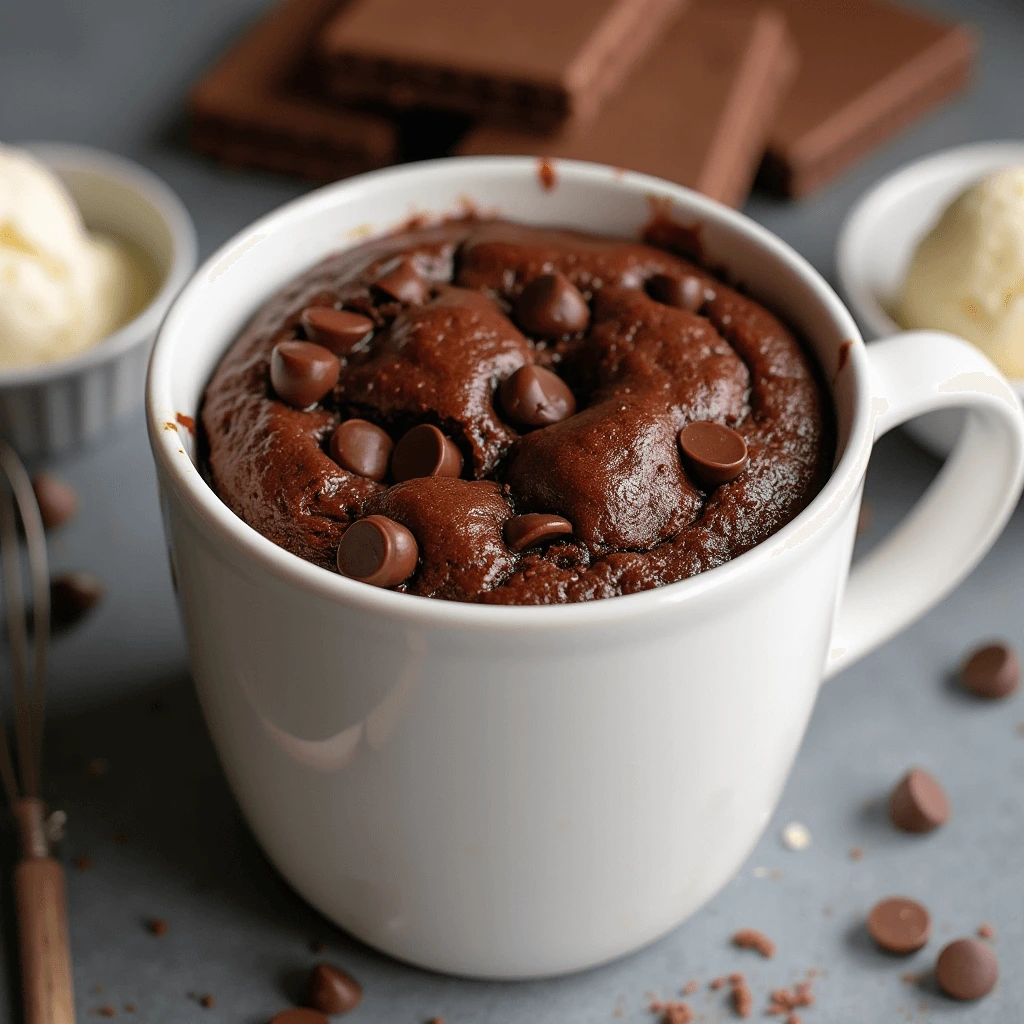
(878, 239)
(48, 409)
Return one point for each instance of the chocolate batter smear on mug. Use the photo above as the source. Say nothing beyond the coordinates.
(484, 411)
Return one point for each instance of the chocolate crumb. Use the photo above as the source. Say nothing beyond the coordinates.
(206, 1002)
(751, 938)
(717, 983)
(129, 1007)
(157, 925)
(908, 978)
(986, 931)
(785, 1000)
(856, 853)
(436, 1020)
(107, 1011)
(742, 998)
(673, 1012)
(83, 863)
(690, 987)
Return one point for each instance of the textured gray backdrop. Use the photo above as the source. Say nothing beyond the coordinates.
(165, 836)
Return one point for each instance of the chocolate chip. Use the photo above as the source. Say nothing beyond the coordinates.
(991, 672)
(551, 305)
(967, 969)
(299, 1015)
(57, 501)
(685, 291)
(332, 991)
(714, 454)
(899, 925)
(405, 284)
(535, 397)
(378, 551)
(534, 528)
(302, 373)
(425, 451)
(918, 803)
(72, 596)
(339, 330)
(362, 448)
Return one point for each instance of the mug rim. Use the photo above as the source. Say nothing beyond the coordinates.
(178, 467)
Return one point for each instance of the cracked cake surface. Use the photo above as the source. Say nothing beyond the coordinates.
(529, 416)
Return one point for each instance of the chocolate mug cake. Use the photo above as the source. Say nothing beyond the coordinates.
(484, 411)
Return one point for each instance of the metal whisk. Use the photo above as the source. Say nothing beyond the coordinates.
(38, 878)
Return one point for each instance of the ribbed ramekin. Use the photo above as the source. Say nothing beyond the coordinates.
(50, 409)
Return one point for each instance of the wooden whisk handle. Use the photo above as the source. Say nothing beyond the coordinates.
(41, 907)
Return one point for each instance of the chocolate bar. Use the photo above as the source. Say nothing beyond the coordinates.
(532, 62)
(258, 106)
(697, 111)
(867, 69)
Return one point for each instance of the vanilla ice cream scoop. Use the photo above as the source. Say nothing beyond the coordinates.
(967, 275)
(61, 289)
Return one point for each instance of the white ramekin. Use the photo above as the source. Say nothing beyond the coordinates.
(878, 239)
(511, 792)
(46, 410)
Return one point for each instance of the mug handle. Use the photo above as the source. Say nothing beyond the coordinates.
(963, 511)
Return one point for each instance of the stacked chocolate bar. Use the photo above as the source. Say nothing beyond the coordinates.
(701, 92)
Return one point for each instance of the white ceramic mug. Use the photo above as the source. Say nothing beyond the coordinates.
(511, 792)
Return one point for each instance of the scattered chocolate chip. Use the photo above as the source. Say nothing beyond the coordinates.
(302, 373)
(550, 306)
(751, 938)
(339, 330)
(206, 1002)
(714, 454)
(299, 1015)
(992, 671)
(918, 803)
(332, 991)
(362, 448)
(425, 451)
(986, 931)
(535, 397)
(57, 501)
(899, 925)
(785, 1000)
(967, 969)
(689, 988)
(83, 863)
(378, 551)
(405, 284)
(72, 596)
(685, 291)
(527, 531)
(157, 925)
(742, 997)
(673, 1012)
(716, 983)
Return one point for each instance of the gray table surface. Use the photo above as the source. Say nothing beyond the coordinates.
(164, 834)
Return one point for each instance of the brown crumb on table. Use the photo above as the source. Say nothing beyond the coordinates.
(157, 925)
(436, 1020)
(856, 853)
(785, 1000)
(908, 978)
(106, 1011)
(206, 1002)
(986, 931)
(83, 863)
(690, 987)
(751, 938)
(742, 998)
(673, 1013)
(717, 983)
(129, 1007)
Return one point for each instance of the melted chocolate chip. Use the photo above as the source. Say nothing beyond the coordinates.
(332, 991)
(339, 330)
(425, 451)
(362, 448)
(404, 284)
(302, 373)
(899, 925)
(550, 306)
(527, 531)
(967, 969)
(714, 454)
(918, 803)
(57, 501)
(535, 397)
(991, 672)
(378, 551)
(686, 292)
